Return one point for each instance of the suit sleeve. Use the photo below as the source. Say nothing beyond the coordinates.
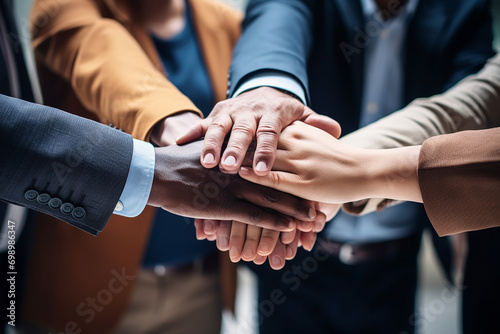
(277, 36)
(473, 104)
(107, 68)
(459, 177)
(63, 165)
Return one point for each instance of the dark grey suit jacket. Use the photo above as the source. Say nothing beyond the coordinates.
(60, 164)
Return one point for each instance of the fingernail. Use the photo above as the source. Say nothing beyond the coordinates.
(223, 242)
(318, 226)
(247, 253)
(245, 170)
(276, 261)
(233, 253)
(230, 161)
(261, 167)
(291, 225)
(264, 249)
(289, 252)
(312, 213)
(209, 158)
(208, 226)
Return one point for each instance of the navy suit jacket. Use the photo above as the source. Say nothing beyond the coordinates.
(55, 162)
(321, 44)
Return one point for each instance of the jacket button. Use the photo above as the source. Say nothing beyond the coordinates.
(31, 195)
(67, 208)
(79, 213)
(55, 203)
(43, 198)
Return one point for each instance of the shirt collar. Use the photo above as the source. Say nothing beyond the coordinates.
(369, 7)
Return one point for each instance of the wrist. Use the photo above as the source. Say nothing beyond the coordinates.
(394, 174)
(166, 131)
(159, 188)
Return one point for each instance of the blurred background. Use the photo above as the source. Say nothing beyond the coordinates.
(433, 315)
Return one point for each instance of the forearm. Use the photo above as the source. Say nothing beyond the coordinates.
(394, 174)
(73, 161)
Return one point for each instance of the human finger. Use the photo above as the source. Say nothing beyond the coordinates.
(291, 248)
(259, 259)
(267, 242)
(236, 240)
(210, 226)
(276, 200)
(242, 135)
(200, 234)
(251, 243)
(324, 123)
(223, 234)
(287, 237)
(277, 257)
(308, 239)
(196, 132)
(219, 127)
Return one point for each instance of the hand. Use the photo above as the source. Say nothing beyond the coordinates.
(251, 243)
(184, 187)
(330, 210)
(248, 242)
(314, 165)
(261, 113)
(166, 131)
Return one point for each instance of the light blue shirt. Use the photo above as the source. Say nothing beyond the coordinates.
(137, 188)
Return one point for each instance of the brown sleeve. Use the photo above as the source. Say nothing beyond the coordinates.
(459, 176)
(106, 67)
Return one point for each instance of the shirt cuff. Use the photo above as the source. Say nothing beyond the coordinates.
(273, 79)
(137, 188)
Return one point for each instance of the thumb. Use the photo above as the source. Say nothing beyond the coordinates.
(196, 132)
(324, 123)
(283, 181)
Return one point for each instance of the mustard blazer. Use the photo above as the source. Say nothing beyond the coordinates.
(95, 59)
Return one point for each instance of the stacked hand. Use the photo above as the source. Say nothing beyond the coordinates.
(259, 114)
(251, 243)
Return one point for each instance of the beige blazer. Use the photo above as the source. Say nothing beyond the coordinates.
(456, 196)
